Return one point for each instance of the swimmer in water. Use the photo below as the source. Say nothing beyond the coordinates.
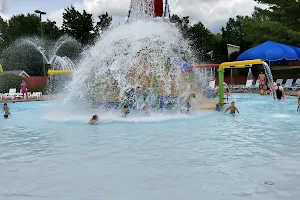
(232, 109)
(125, 111)
(218, 108)
(94, 119)
(279, 91)
(6, 111)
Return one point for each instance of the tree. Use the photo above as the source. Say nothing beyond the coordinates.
(104, 23)
(8, 81)
(79, 25)
(3, 33)
(26, 58)
(260, 28)
(285, 12)
(51, 31)
(234, 33)
(23, 25)
(182, 23)
(220, 52)
(201, 40)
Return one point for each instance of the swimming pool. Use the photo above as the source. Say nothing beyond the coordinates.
(55, 154)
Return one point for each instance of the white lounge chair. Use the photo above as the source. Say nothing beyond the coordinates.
(12, 93)
(296, 85)
(248, 85)
(256, 86)
(36, 95)
(288, 84)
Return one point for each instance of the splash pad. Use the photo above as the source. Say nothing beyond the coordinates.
(144, 61)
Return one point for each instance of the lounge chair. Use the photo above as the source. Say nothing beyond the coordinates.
(256, 86)
(248, 85)
(36, 95)
(296, 86)
(12, 93)
(288, 84)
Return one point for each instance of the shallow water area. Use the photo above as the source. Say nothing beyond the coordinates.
(49, 151)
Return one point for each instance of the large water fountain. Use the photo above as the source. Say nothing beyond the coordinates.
(143, 61)
(50, 51)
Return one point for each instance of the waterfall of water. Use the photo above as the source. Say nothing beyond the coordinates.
(250, 75)
(270, 78)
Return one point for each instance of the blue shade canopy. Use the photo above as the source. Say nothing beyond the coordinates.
(271, 51)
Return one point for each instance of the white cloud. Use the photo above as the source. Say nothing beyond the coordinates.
(212, 13)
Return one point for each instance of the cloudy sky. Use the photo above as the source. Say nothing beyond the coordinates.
(212, 13)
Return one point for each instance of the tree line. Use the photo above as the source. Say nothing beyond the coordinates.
(279, 23)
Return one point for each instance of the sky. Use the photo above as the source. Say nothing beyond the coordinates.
(212, 13)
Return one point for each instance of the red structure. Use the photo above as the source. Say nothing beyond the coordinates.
(204, 66)
(158, 8)
(36, 83)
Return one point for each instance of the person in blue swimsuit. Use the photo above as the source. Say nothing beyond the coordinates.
(218, 108)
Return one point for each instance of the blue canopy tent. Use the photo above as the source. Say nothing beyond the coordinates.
(272, 52)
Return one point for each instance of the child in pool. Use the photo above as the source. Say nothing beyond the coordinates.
(6, 110)
(146, 110)
(232, 108)
(125, 111)
(218, 108)
(94, 119)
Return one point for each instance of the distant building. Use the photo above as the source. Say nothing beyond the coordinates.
(21, 73)
(232, 48)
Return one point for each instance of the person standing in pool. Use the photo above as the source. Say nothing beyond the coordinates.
(232, 109)
(218, 108)
(262, 80)
(279, 91)
(6, 110)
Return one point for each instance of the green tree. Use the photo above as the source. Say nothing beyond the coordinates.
(27, 59)
(286, 12)
(220, 52)
(104, 22)
(51, 31)
(23, 25)
(8, 81)
(234, 33)
(201, 40)
(182, 23)
(260, 28)
(79, 25)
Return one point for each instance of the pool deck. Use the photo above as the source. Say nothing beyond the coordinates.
(209, 105)
(287, 92)
(43, 98)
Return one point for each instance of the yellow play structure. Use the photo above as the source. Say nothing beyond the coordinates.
(230, 65)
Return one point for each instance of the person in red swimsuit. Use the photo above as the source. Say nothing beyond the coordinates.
(262, 79)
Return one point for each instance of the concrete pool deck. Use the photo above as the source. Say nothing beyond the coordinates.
(43, 98)
(208, 105)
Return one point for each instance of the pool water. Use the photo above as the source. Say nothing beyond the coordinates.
(48, 152)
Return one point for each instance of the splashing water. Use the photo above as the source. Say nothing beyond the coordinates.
(140, 62)
(50, 52)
